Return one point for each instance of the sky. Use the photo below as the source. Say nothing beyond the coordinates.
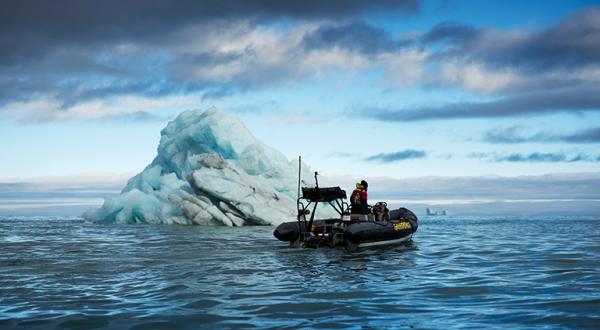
(397, 91)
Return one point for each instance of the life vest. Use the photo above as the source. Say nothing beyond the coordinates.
(358, 197)
(355, 197)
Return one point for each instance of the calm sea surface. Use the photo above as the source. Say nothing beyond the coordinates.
(459, 272)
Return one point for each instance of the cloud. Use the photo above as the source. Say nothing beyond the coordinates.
(81, 183)
(215, 61)
(397, 156)
(122, 108)
(535, 157)
(354, 36)
(575, 186)
(64, 195)
(490, 60)
(591, 135)
(449, 32)
(217, 93)
(137, 116)
(70, 76)
(28, 29)
(575, 99)
(572, 192)
(270, 106)
(510, 135)
(574, 42)
(71, 53)
(517, 134)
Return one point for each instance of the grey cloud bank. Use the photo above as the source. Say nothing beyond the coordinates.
(574, 42)
(73, 52)
(535, 157)
(28, 27)
(575, 99)
(560, 193)
(517, 134)
(397, 156)
(545, 194)
(354, 36)
(555, 69)
(69, 52)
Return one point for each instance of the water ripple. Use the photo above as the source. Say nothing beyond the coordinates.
(458, 272)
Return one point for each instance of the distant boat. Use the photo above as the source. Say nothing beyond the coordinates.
(432, 212)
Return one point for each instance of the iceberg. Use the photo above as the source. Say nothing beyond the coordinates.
(209, 170)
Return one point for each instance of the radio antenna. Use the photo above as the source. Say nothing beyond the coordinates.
(299, 173)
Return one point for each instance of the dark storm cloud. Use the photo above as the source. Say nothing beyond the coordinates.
(69, 49)
(516, 134)
(535, 157)
(397, 156)
(575, 42)
(355, 36)
(28, 27)
(574, 99)
(75, 51)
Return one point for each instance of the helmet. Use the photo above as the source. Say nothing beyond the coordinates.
(359, 186)
(364, 184)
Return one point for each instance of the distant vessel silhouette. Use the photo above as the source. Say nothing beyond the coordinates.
(432, 212)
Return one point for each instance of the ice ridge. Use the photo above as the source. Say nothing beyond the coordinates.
(209, 170)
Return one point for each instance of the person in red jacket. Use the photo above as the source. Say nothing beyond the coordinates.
(358, 199)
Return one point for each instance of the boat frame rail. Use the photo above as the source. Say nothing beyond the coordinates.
(331, 233)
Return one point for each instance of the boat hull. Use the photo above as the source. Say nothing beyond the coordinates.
(368, 233)
(402, 225)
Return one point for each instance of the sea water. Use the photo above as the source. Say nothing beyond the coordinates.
(458, 272)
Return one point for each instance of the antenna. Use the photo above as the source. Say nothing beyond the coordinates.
(299, 173)
(317, 180)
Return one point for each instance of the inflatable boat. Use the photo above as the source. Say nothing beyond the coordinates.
(378, 227)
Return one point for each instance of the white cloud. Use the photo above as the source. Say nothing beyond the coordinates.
(243, 52)
(476, 77)
(49, 109)
(405, 68)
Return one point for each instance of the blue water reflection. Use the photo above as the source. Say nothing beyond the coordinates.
(468, 272)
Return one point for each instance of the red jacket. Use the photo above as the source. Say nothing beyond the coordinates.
(359, 196)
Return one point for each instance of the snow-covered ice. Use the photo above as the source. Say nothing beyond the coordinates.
(209, 170)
